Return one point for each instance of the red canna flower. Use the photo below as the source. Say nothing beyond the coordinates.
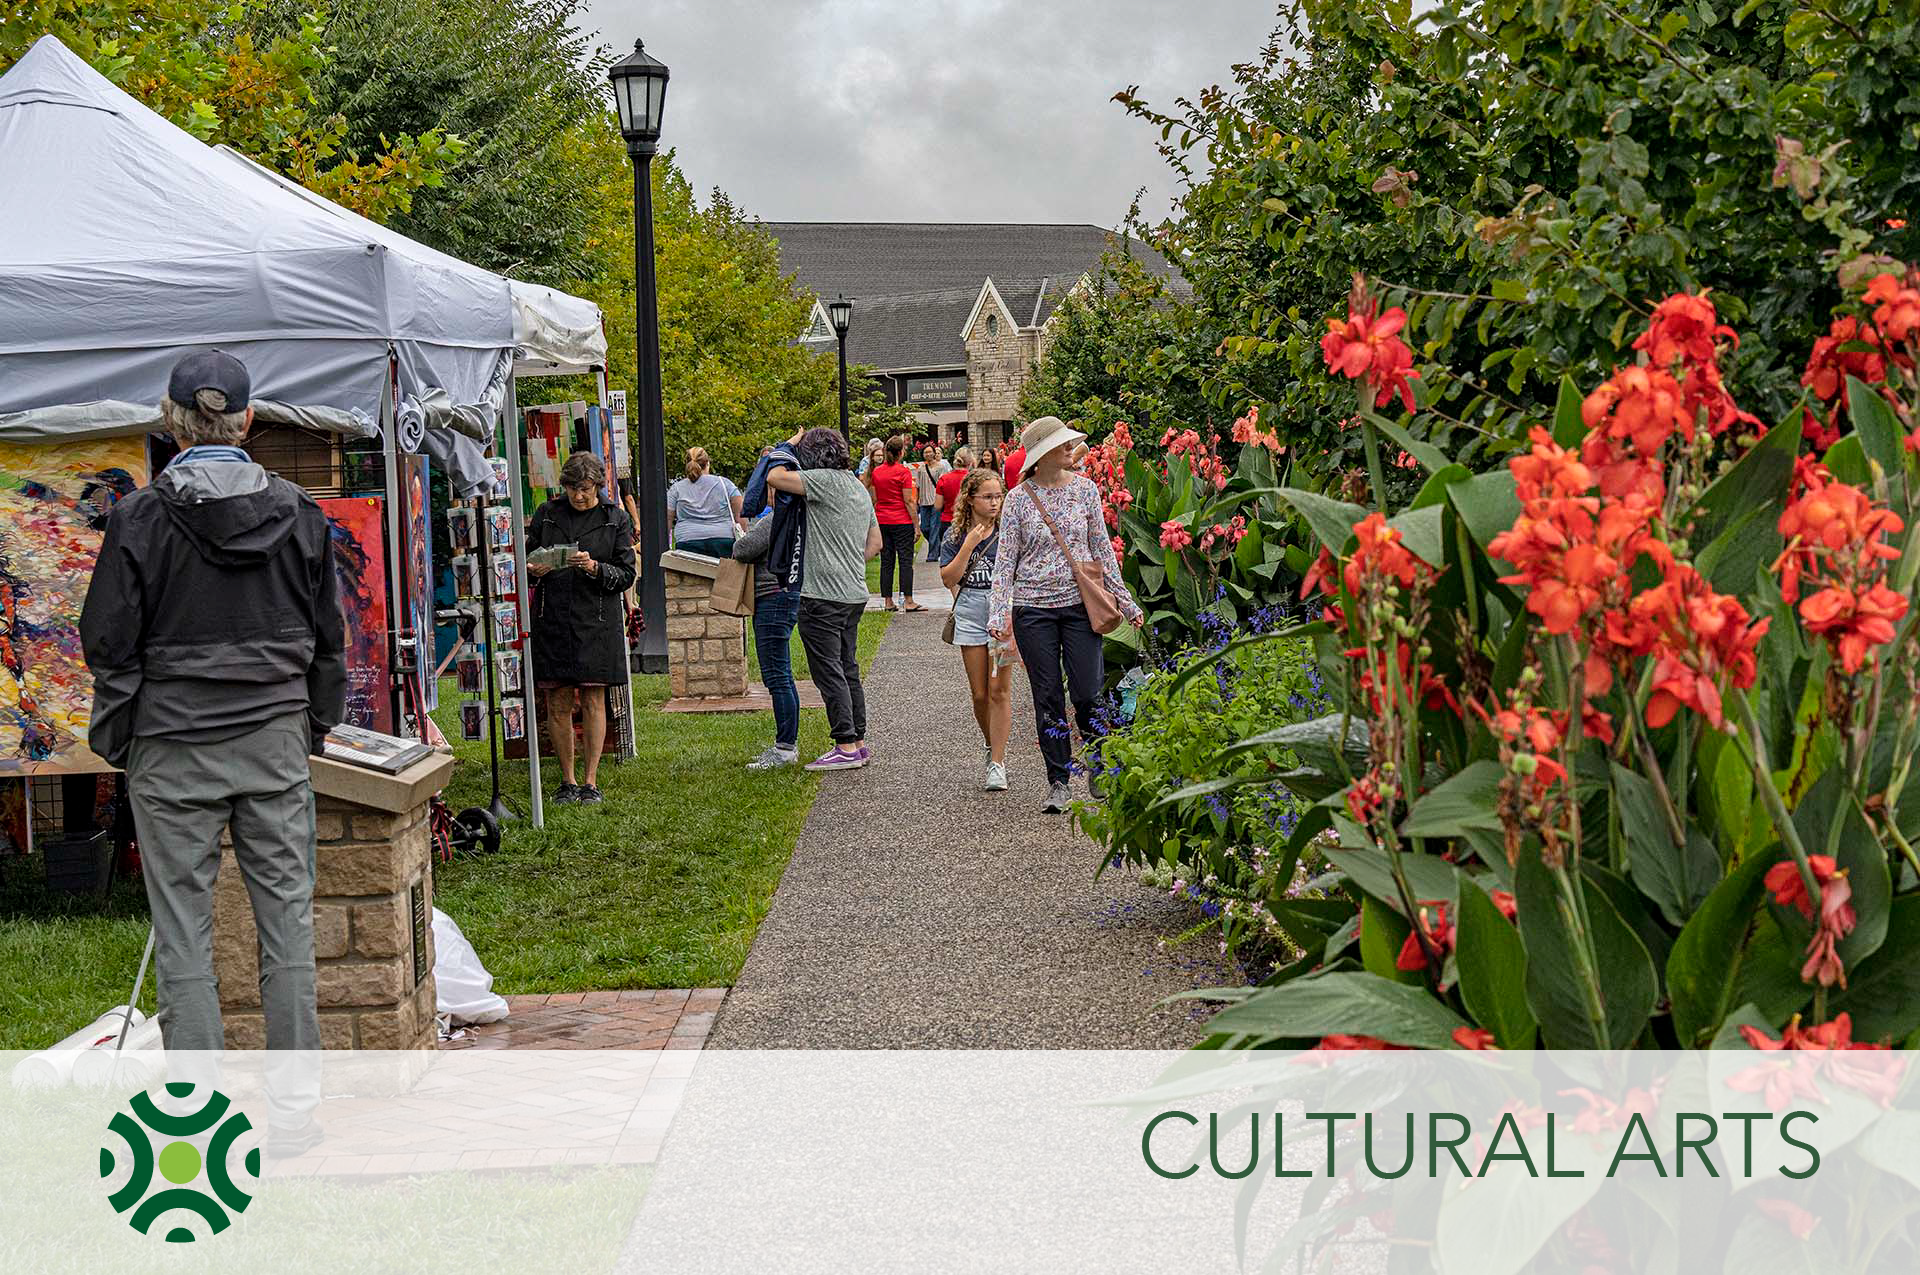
(1797, 1220)
(1837, 919)
(1509, 907)
(1473, 1038)
(1896, 307)
(1684, 329)
(1436, 925)
(1365, 346)
(1838, 536)
(1341, 1040)
(1173, 535)
(1789, 889)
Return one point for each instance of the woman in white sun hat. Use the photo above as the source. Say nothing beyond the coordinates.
(1052, 520)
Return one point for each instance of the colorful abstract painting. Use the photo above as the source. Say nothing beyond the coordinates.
(54, 502)
(360, 565)
(415, 483)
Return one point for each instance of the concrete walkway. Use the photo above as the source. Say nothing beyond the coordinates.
(921, 912)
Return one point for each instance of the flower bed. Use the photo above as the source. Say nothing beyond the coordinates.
(1625, 730)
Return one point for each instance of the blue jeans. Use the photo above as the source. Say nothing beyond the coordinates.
(774, 616)
(930, 528)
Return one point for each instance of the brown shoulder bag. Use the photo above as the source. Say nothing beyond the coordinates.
(1103, 611)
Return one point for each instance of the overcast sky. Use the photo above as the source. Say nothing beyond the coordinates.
(929, 110)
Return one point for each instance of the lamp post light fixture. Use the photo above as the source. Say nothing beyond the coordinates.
(840, 314)
(640, 97)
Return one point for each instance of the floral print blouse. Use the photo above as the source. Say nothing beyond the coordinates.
(1030, 571)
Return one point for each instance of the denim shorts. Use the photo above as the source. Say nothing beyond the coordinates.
(970, 618)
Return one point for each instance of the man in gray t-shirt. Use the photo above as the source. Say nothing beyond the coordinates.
(842, 534)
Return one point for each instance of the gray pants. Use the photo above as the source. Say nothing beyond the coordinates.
(183, 796)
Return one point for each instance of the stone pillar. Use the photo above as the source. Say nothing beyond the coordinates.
(372, 914)
(706, 650)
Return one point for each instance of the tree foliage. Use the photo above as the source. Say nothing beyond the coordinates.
(1523, 179)
(514, 79)
(206, 69)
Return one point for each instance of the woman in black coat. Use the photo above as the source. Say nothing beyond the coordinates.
(579, 623)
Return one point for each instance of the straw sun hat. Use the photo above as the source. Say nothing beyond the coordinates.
(1047, 433)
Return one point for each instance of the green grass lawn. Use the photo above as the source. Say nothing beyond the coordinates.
(663, 885)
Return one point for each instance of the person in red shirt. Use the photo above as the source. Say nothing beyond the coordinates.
(1016, 461)
(949, 488)
(893, 505)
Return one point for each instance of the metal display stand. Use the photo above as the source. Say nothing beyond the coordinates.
(509, 432)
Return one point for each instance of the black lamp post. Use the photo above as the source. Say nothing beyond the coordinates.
(640, 96)
(840, 314)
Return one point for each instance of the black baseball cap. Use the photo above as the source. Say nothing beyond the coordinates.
(211, 370)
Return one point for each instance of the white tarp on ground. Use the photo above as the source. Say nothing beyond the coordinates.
(127, 242)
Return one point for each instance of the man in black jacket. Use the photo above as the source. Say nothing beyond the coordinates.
(213, 630)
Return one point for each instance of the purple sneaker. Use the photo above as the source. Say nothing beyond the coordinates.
(838, 758)
(866, 754)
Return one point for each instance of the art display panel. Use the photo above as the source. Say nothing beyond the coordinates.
(54, 502)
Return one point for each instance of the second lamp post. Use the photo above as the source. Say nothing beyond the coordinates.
(840, 314)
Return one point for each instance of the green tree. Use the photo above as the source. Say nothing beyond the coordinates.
(203, 68)
(1526, 180)
(1124, 348)
(514, 78)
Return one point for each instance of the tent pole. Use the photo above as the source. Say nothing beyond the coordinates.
(512, 449)
(396, 594)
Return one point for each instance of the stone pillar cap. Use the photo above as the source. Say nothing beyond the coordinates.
(395, 794)
(691, 564)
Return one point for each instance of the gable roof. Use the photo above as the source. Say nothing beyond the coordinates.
(905, 274)
(915, 330)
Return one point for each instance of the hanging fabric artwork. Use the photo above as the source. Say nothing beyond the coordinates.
(54, 502)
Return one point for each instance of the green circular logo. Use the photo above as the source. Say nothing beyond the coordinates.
(153, 1139)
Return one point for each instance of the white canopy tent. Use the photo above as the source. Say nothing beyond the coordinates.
(129, 242)
(125, 243)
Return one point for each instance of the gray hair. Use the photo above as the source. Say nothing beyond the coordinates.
(822, 449)
(582, 469)
(963, 458)
(205, 420)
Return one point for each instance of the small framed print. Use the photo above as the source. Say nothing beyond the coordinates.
(506, 581)
(500, 474)
(506, 624)
(513, 720)
(473, 719)
(466, 576)
(500, 527)
(460, 529)
(470, 674)
(509, 669)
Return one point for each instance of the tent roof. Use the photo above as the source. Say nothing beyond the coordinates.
(128, 240)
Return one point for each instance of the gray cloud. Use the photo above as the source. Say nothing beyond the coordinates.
(906, 110)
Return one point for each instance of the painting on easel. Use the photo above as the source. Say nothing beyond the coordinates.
(54, 502)
(360, 566)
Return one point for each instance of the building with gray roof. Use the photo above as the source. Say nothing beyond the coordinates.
(950, 317)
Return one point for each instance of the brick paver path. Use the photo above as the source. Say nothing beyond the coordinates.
(654, 1019)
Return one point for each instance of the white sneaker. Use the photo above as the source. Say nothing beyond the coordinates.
(774, 757)
(1059, 797)
(996, 777)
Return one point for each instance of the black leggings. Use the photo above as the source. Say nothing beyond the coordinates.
(1049, 637)
(896, 546)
